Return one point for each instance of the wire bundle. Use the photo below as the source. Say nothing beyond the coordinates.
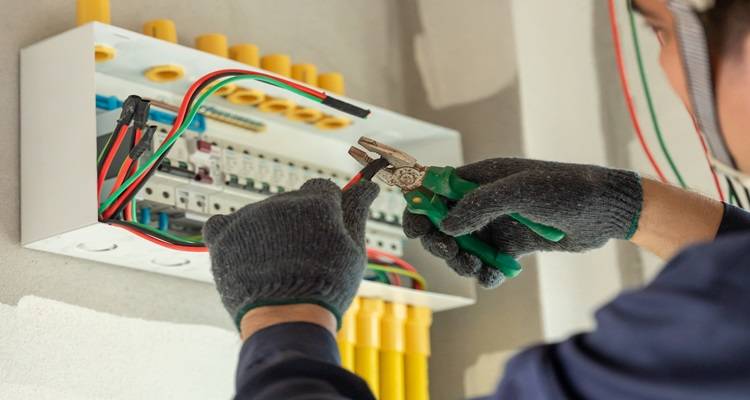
(132, 177)
(389, 269)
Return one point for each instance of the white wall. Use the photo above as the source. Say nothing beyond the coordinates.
(560, 103)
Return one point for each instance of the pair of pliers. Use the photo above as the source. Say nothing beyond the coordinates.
(427, 191)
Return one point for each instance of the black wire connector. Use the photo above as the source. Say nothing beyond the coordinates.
(141, 113)
(128, 109)
(137, 151)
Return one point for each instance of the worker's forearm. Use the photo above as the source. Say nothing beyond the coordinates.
(672, 219)
(263, 317)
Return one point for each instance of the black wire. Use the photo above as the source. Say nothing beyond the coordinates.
(154, 234)
(108, 147)
(733, 192)
(371, 169)
(155, 165)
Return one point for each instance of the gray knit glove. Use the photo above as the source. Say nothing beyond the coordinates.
(590, 204)
(305, 246)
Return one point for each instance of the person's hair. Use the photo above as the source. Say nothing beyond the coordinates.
(727, 26)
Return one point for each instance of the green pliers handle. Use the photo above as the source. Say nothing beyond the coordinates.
(444, 184)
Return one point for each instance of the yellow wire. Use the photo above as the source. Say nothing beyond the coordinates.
(399, 271)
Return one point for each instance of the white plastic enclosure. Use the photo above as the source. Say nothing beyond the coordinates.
(59, 82)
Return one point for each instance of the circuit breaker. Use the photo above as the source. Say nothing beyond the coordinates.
(233, 153)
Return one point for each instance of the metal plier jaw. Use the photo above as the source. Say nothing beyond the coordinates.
(403, 170)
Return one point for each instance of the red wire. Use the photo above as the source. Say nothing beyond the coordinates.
(120, 136)
(162, 243)
(375, 253)
(352, 182)
(715, 177)
(627, 94)
(183, 111)
(125, 167)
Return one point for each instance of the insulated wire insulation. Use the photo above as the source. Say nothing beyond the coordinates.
(734, 197)
(398, 271)
(649, 100)
(185, 123)
(626, 91)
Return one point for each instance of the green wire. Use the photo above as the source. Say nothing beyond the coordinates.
(649, 100)
(382, 277)
(196, 106)
(164, 233)
(101, 153)
(732, 198)
(399, 271)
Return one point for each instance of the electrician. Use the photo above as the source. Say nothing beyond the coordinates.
(288, 267)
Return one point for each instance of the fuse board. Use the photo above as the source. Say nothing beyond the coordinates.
(231, 155)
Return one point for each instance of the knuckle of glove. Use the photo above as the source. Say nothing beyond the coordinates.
(467, 215)
(440, 245)
(465, 264)
(415, 225)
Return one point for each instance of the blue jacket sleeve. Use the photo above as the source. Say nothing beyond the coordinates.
(295, 361)
(735, 220)
(683, 336)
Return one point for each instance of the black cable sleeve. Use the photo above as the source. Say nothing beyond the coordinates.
(348, 108)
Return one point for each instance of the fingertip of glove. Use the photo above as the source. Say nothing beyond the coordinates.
(320, 185)
(363, 190)
(214, 226)
(490, 278)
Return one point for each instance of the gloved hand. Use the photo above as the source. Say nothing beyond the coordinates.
(305, 246)
(590, 204)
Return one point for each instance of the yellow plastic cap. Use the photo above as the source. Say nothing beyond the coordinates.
(330, 123)
(418, 321)
(304, 114)
(245, 53)
(214, 43)
(392, 324)
(163, 29)
(248, 97)
(277, 63)
(276, 105)
(332, 82)
(165, 73)
(368, 322)
(92, 10)
(225, 90)
(103, 53)
(305, 73)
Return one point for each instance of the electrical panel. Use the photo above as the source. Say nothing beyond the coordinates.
(234, 153)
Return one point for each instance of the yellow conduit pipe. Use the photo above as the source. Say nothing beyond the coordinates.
(417, 352)
(393, 344)
(347, 335)
(367, 345)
